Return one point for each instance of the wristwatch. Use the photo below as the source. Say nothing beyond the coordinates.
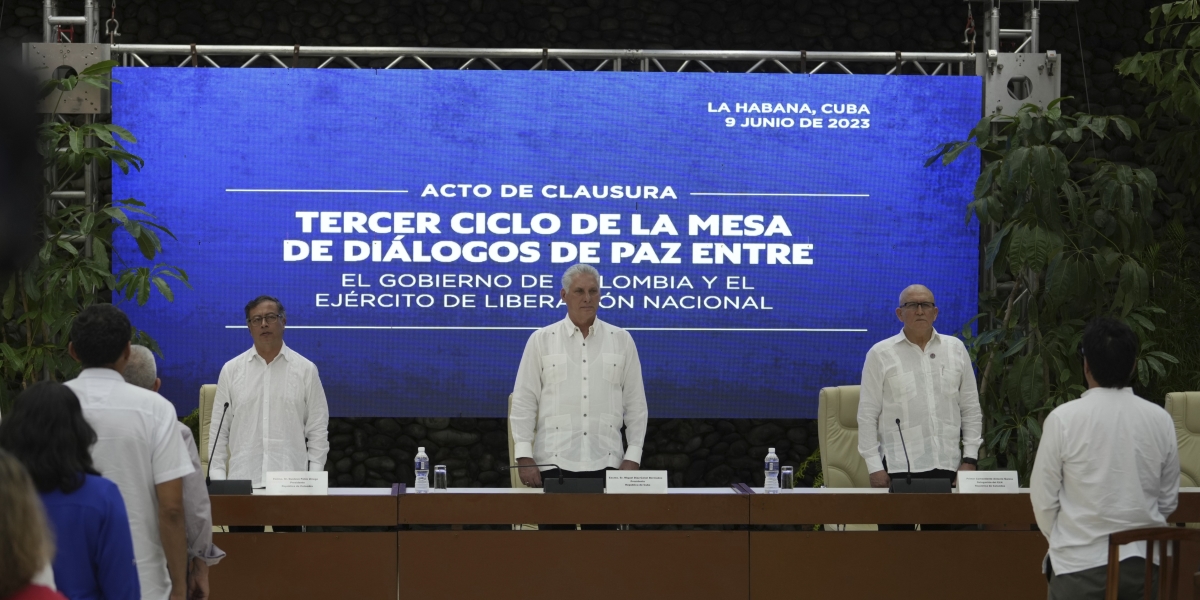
(970, 461)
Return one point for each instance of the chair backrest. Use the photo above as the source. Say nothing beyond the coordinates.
(837, 430)
(1168, 568)
(513, 474)
(208, 394)
(1185, 410)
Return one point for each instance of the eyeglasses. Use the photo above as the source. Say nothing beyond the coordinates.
(920, 305)
(268, 318)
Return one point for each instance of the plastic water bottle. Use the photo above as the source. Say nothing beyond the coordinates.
(771, 466)
(421, 467)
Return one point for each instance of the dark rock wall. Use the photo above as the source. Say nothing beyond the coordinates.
(1092, 37)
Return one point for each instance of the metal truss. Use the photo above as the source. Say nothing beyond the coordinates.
(710, 61)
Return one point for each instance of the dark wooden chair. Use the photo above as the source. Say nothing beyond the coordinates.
(1168, 569)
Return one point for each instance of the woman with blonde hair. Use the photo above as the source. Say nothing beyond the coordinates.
(25, 543)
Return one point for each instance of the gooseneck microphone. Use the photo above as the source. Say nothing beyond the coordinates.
(908, 465)
(207, 479)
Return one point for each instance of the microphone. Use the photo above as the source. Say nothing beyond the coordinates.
(908, 465)
(207, 479)
(560, 470)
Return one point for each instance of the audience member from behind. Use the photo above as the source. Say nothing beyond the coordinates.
(142, 371)
(46, 431)
(138, 448)
(1107, 462)
(25, 543)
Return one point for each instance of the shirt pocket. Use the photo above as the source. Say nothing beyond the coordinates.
(610, 434)
(558, 435)
(554, 369)
(902, 387)
(951, 380)
(613, 368)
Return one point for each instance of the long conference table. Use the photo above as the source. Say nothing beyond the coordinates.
(690, 543)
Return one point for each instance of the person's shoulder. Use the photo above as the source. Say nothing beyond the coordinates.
(952, 341)
(542, 332)
(184, 431)
(299, 359)
(618, 333)
(101, 486)
(238, 361)
(885, 344)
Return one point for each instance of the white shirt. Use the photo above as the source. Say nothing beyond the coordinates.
(932, 392)
(137, 448)
(577, 392)
(1107, 462)
(277, 420)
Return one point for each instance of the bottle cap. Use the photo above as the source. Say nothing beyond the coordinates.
(770, 451)
(420, 448)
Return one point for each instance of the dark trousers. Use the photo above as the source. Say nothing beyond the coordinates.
(553, 474)
(934, 474)
(261, 528)
(1090, 584)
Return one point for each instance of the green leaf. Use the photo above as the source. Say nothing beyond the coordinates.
(8, 305)
(11, 356)
(1124, 126)
(993, 246)
(1164, 356)
(68, 247)
(103, 67)
(76, 141)
(164, 289)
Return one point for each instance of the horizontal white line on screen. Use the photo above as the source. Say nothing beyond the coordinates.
(770, 194)
(275, 191)
(384, 327)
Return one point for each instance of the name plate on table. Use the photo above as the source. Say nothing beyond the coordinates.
(635, 482)
(987, 482)
(297, 483)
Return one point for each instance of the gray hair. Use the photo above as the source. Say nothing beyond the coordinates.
(141, 370)
(576, 271)
(916, 287)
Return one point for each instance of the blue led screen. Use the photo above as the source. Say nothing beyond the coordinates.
(753, 231)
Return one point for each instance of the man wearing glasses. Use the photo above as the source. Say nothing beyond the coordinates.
(275, 415)
(925, 380)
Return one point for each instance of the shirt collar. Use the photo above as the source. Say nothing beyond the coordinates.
(571, 329)
(1104, 390)
(900, 337)
(284, 353)
(100, 373)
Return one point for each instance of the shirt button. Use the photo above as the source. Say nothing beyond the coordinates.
(585, 433)
(585, 414)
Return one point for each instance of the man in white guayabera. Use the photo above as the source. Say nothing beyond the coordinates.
(1107, 462)
(924, 380)
(579, 380)
(275, 414)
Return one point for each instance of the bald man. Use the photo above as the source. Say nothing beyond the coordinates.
(925, 380)
(142, 371)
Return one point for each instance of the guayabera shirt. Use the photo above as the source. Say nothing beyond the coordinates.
(1107, 462)
(932, 392)
(278, 419)
(573, 394)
